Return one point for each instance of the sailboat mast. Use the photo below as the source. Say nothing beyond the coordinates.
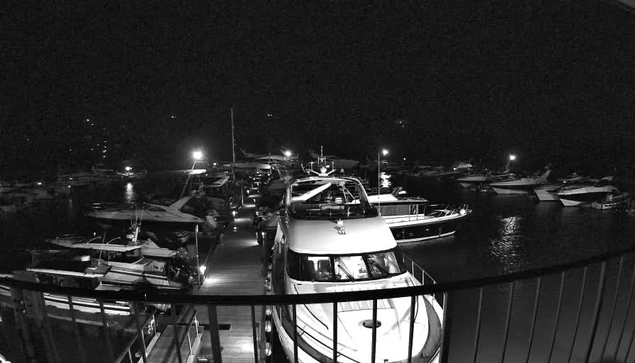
(233, 144)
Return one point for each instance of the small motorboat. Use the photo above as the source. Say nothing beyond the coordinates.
(613, 201)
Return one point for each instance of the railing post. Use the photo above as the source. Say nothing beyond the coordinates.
(78, 336)
(510, 300)
(628, 309)
(617, 290)
(477, 334)
(373, 352)
(111, 355)
(253, 332)
(177, 342)
(533, 319)
(22, 325)
(214, 334)
(335, 332)
(142, 340)
(447, 327)
(577, 319)
(596, 310)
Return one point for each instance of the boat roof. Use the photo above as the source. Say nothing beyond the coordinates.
(69, 268)
(351, 236)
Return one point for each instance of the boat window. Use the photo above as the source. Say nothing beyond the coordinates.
(156, 209)
(340, 199)
(343, 268)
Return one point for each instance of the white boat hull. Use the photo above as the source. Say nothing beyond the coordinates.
(384, 348)
(545, 195)
(572, 203)
(505, 191)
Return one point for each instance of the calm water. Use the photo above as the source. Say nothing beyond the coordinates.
(503, 234)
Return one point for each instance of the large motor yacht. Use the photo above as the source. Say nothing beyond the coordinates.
(331, 239)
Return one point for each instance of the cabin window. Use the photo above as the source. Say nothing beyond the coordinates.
(339, 268)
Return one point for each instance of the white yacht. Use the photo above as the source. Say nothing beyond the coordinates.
(481, 179)
(520, 185)
(416, 219)
(331, 239)
(180, 213)
(576, 195)
(549, 192)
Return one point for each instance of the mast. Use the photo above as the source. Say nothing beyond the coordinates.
(233, 145)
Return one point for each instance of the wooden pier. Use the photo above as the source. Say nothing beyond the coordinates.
(233, 267)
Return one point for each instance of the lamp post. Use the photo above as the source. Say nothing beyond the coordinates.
(197, 155)
(512, 157)
(383, 152)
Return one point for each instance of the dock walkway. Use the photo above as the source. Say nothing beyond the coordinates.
(233, 268)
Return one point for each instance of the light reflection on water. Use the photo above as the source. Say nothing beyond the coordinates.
(129, 194)
(508, 247)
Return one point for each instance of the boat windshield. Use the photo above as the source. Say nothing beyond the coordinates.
(343, 268)
(323, 199)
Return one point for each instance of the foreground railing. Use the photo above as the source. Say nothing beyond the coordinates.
(574, 312)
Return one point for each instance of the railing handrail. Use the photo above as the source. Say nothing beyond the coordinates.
(249, 300)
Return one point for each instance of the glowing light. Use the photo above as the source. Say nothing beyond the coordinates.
(512, 157)
(287, 153)
(384, 152)
(130, 195)
(128, 168)
(202, 269)
(268, 326)
(39, 183)
(197, 155)
(268, 349)
(234, 214)
(462, 211)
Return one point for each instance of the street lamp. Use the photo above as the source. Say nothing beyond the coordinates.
(512, 157)
(197, 155)
(288, 153)
(383, 152)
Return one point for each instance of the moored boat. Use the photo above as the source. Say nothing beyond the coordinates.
(520, 185)
(332, 239)
(576, 195)
(613, 201)
(415, 219)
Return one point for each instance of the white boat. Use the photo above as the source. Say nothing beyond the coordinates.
(613, 201)
(479, 180)
(132, 261)
(72, 274)
(332, 239)
(576, 195)
(179, 213)
(520, 185)
(549, 192)
(416, 219)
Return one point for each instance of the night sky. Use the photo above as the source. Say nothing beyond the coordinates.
(431, 80)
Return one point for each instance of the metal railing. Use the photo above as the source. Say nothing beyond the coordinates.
(574, 312)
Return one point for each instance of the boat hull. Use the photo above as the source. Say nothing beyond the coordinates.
(615, 203)
(308, 354)
(420, 231)
(510, 191)
(545, 195)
